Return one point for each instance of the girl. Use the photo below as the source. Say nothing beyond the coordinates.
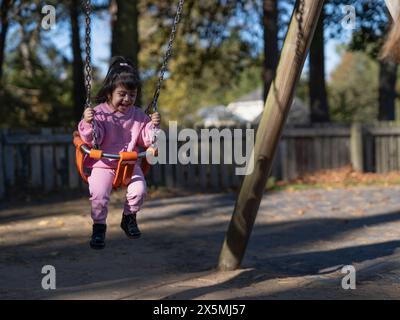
(120, 126)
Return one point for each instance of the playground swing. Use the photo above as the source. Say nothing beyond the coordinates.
(127, 160)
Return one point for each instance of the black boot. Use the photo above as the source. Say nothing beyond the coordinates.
(98, 236)
(129, 225)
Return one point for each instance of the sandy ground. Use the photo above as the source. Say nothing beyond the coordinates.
(299, 245)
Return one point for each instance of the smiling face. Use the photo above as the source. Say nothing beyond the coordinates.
(122, 99)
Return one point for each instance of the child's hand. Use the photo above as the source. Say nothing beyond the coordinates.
(88, 115)
(156, 119)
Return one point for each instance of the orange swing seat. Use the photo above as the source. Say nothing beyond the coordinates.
(126, 163)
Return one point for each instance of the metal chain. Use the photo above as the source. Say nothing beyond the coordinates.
(168, 53)
(153, 105)
(88, 68)
(300, 35)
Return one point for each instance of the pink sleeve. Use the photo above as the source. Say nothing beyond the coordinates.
(86, 132)
(146, 134)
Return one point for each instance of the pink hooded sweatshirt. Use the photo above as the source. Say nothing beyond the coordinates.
(116, 132)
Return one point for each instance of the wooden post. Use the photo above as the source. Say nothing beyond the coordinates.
(36, 166)
(9, 161)
(73, 177)
(48, 162)
(2, 180)
(280, 97)
(356, 147)
(394, 8)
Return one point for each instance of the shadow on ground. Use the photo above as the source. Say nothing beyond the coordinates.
(173, 249)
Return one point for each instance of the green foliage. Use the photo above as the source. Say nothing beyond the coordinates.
(372, 25)
(37, 81)
(40, 99)
(212, 63)
(214, 60)
(353, 89)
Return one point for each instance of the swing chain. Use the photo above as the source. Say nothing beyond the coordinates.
(153, 105)
(299, 17)
(88, 68)
(168, 53)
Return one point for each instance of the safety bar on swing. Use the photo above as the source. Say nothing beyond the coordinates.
(86, 150)
(99, 154)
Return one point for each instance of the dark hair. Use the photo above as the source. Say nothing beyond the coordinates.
(121, 73)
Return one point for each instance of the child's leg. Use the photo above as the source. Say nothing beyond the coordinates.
(100, 186)
(136, 192)
(134, 200)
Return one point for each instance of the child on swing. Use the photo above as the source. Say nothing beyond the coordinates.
(120, 126)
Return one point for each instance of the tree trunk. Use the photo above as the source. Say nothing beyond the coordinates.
(5, 7)
(318, 97)
(271, 54)
(125, 35)
(387, 90)
(79, 91)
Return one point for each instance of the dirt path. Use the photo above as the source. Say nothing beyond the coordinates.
(299, 245)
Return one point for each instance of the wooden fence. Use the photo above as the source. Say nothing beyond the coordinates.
(44, 160)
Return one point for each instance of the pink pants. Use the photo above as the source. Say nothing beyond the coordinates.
(100, 187)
